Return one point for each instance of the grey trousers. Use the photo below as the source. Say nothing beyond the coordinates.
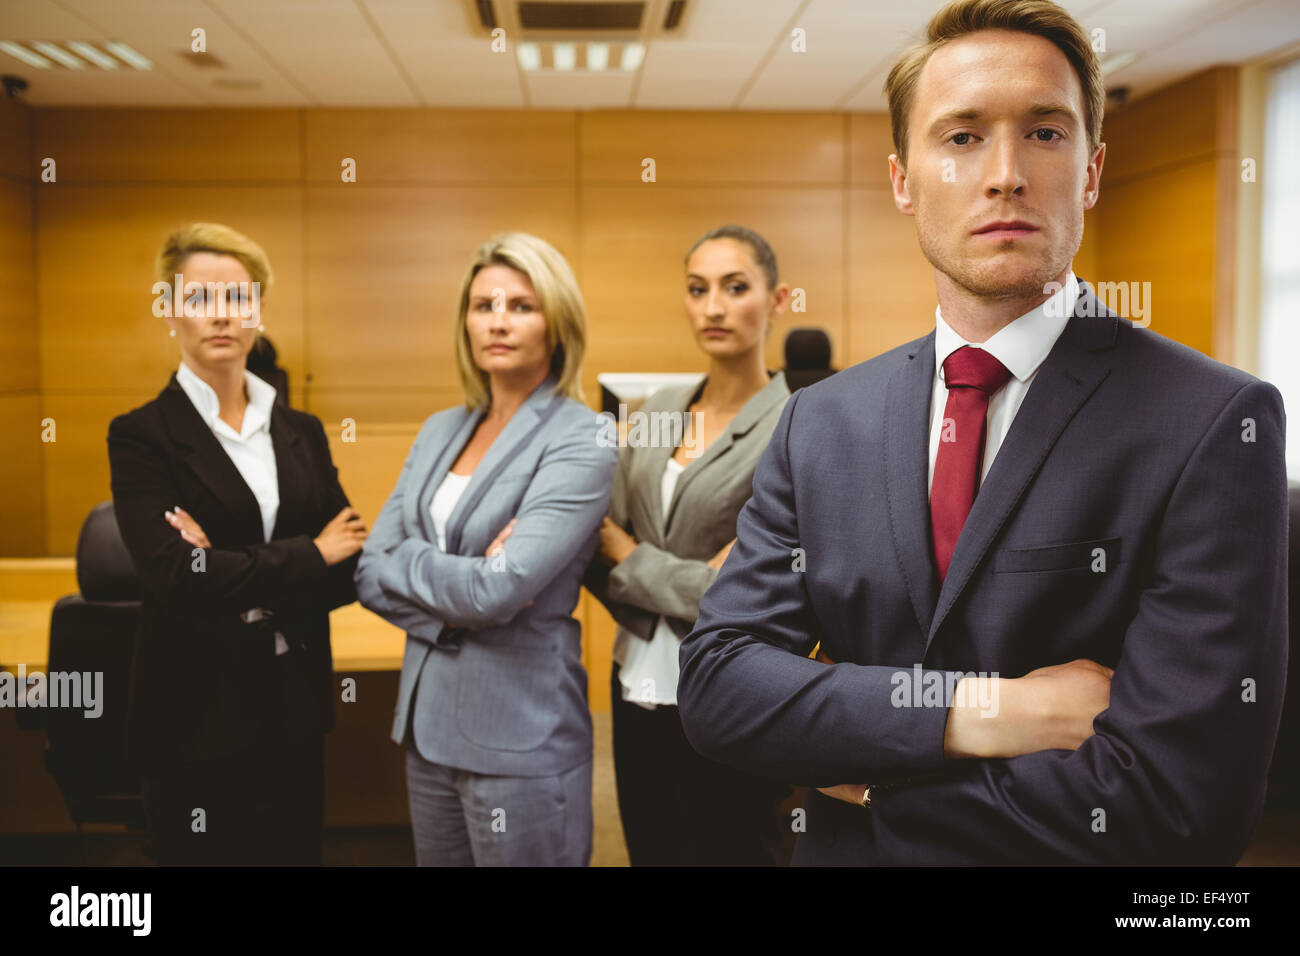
(462, 818)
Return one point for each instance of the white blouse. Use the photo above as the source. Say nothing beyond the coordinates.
(444, 503)
(648, 670)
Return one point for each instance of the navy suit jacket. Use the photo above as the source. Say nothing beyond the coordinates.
(1135, 514)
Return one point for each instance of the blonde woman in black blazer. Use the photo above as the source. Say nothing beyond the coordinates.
(231, 509)
(660, 554)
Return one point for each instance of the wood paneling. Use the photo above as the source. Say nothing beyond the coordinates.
(1187, 121)
(728, 149)
(1162, 232)
(441, 146)
(171, 146)
(891, 285)
(22, 490)
(76, 463)
(870, 144)
(16, 140)
(386, 267)
(96, 250)
(19, 339)
(633, 247)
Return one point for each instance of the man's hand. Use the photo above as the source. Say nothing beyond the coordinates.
(184, 522)
(1049, 708)
(848, 792)
(342, 537)
(615, 543)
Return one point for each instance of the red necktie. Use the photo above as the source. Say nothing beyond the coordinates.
(972, 376)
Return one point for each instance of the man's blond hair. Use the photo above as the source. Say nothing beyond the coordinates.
(963, 17)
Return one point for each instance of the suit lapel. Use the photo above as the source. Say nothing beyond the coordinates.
(518, 433)
(436, 458)
(745, 419)
(1072, 371)
(203, 453)
(292, 474)
(907, 449)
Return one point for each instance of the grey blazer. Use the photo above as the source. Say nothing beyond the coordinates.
(667, 572)
(504, 690)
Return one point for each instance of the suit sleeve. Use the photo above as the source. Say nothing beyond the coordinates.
(339, 588)
(386, 534)
(1176, 770)
(657, 580)
(749, 696)
(215, 580)
(562, 509)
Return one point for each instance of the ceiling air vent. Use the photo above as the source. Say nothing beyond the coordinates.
(536, 15)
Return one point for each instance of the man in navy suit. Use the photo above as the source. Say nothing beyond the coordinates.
(1043, 549)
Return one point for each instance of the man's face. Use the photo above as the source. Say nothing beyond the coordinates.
(997, 136)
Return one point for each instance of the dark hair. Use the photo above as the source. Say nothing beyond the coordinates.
(762, 252)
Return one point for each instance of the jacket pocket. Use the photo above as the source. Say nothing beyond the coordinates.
(508, 696)
(1098, 555)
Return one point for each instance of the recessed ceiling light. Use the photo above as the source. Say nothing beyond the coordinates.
(128, 56)
(633, 54)
(58, 55)
(565, 56)
(88, 52)
(597, 56)
(1117, 62)
(530, 56)
(19, 52)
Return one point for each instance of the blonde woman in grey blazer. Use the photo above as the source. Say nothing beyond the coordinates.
(671, 524)
(478, 555)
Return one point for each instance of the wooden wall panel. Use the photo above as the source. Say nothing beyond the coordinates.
(386, 266)
(634, 243)
(96, 251)
(891, 284)
(729, 149)
(22, 532)
(441, 146)
(171, 146)
(16, 140)
(76, 463)
(19, 339)
(1161, 230)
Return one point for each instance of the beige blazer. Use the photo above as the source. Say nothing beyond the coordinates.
(667, 573)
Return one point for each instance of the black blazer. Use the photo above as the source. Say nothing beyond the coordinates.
(204, 683)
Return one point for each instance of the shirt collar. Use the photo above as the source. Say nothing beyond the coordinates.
(1023, 343)
(261, 398)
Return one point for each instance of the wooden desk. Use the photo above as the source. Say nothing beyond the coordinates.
(360, 640)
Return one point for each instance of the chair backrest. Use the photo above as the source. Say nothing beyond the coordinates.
(807, 357)
(92, 641)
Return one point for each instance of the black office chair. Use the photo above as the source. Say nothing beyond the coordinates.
(1284, 775)
(807, 357)
(90, 632)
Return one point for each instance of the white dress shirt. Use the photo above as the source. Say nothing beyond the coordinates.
(1021, 346)
(444, 503)
(648, 670)
(249, 449)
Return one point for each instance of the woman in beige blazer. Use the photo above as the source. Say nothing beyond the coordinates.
(672, 522)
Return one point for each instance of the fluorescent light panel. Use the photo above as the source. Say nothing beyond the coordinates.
(19, 52)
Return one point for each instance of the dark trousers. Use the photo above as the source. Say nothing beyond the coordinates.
(262, 806)
(679, 809)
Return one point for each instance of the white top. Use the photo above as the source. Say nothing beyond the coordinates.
(444, 503)
(1021, 346)
(648, 670)
(250, 448)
